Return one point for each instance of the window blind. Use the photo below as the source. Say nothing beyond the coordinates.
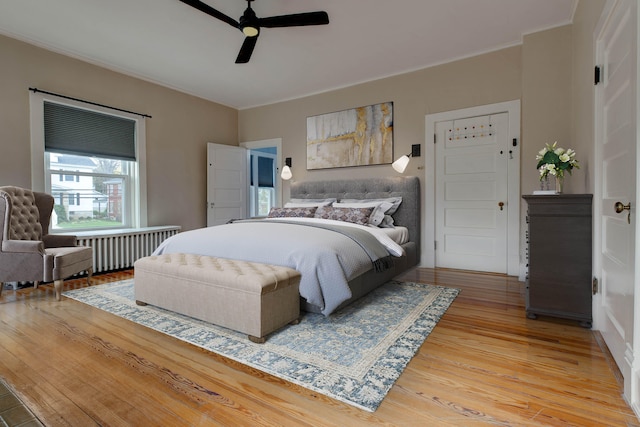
(73, 130)
(265, 172)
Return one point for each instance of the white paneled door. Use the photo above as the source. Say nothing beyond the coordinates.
(616, 141)
(472, 157)
(227, 189)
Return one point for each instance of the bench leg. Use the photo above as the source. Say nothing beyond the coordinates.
(140, 303)
(256, 339)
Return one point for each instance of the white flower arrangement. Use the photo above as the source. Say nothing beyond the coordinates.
(554, 160)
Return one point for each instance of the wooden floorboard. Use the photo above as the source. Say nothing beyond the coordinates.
(485, 363)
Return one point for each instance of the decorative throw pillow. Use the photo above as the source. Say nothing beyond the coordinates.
(377, 214)
(395, 201)
(354, 215)
(307, 212)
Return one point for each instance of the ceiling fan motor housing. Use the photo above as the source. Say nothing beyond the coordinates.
(249, 23)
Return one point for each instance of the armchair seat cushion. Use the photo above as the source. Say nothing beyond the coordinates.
(69, 260)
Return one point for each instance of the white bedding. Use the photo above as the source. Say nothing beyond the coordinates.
(326, 259)
(400, 235)
(386, 236)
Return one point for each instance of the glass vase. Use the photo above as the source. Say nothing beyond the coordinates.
(559, 184)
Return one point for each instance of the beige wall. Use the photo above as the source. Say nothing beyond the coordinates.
(546, 100)
(485, 79)
(538, 73)
(176, 135)
(551, 73)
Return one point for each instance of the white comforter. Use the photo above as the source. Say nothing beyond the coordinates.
(326, 259)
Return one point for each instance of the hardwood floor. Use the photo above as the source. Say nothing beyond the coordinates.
(484, 364)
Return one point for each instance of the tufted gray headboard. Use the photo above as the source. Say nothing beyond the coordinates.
(407, 215)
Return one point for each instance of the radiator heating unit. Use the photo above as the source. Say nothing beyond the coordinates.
(115, 250)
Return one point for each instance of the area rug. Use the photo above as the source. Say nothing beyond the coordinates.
(354, 355)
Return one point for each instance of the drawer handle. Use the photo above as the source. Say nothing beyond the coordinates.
(620, 207)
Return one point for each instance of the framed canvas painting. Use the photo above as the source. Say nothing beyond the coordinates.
(357, 137)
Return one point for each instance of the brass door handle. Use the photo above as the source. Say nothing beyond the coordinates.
(501, 204)
(620, 207)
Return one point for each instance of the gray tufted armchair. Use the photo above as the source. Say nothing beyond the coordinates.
(27, 252)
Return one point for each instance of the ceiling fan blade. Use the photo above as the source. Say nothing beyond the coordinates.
(246, 50)
(203, 7)
(295, 20)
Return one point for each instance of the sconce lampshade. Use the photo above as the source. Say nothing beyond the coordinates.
(401, 164)
(286, 173)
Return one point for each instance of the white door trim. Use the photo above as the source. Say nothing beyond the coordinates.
(428, 258)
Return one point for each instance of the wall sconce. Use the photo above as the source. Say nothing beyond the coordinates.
(401, 163)
(286, 170)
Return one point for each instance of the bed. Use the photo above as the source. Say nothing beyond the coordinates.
(339, 261)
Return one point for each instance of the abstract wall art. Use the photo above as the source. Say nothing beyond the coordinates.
(357, 137)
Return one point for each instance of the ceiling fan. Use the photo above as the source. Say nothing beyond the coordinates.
(250, 24)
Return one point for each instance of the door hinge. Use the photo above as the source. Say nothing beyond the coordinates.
(594, 286)
(434, 138)
(596, 75)
(435, 245)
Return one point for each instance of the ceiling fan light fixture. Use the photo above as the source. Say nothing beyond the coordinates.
(250, 31)
(249, 22)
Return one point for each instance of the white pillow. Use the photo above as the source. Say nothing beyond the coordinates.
(387, 222)
(377, 214)
(325, 202)
(394, 200)
(306, 203)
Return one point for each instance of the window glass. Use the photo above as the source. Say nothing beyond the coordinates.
(94, 194)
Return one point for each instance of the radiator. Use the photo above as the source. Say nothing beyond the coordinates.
(114, 250)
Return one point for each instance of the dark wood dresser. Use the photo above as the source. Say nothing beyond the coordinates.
(559, 239)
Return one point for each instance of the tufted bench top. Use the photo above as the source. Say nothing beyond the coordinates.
(248, 297)
(221, 272)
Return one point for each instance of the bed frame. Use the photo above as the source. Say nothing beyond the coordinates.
(407, 215)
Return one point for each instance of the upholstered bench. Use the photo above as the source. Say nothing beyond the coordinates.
(249, 297)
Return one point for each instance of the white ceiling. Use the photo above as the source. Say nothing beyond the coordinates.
(172, 44)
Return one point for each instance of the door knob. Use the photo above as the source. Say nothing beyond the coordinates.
(501, 204)
(620, 207)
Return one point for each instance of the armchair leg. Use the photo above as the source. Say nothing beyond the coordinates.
(1, 287)
(57, 284)
(89, 274)
(35, 284)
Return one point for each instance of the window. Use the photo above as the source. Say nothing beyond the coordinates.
(93, 164)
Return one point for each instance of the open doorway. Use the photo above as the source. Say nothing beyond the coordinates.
(262, 181)
(264, 167)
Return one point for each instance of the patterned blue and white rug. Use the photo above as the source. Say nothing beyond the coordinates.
(354, 355)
